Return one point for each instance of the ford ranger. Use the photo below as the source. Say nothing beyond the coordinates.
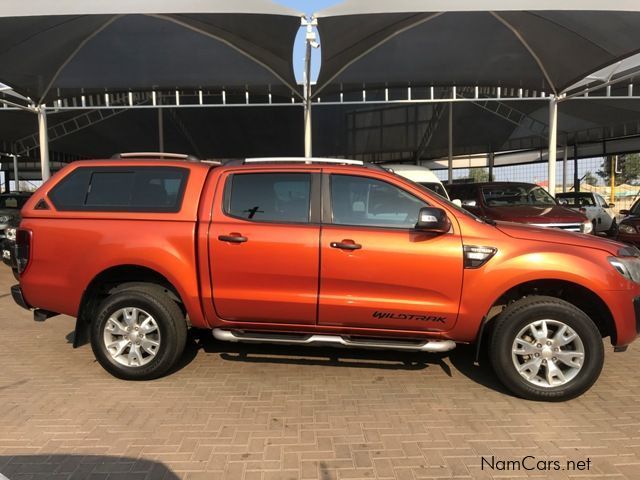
(315, 251)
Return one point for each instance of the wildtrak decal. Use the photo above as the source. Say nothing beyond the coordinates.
(409, 316)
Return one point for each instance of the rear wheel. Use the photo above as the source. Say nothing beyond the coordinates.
(544, 348)
(139, 333)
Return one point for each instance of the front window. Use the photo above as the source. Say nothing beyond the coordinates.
(516, 195)
(435, 187)
(369, 202)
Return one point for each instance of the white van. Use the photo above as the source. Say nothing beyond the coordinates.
(418, 174)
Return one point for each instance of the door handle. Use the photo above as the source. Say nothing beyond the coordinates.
(235, 238)
(350, 245)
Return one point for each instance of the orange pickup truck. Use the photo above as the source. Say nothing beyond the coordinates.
(315, 251)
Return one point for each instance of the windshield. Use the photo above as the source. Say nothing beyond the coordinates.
(12, 201)
(635, 209)
(516, 195)
(435, 187)
(577, 201)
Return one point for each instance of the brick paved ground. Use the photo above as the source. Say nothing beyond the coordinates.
(241, 412)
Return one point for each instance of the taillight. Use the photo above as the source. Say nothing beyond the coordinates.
(23, 249)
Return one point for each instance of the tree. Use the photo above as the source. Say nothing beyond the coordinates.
(590, 179)
(628, 166)
(478, 175)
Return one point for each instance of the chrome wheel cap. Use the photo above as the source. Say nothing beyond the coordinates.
(132, 337)
(548, 353)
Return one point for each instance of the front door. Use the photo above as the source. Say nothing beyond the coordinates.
(377, 271)
(264, 248)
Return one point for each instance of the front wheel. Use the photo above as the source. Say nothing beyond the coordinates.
(139, 333)
(544, 348)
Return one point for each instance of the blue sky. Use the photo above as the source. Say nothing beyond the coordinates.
(308, 7)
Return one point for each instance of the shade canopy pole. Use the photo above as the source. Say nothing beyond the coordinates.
(15, 172)
(311, 42)
(43, 142)
(450, 175)
(553, 142)
(564, 167)
(160, 131)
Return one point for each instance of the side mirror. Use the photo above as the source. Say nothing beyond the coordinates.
(434, 220)
(625, 212)
(612, 205)
(469, 203)
(457, 202)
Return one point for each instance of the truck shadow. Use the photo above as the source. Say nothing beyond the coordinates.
(41, 467)
(461, 359)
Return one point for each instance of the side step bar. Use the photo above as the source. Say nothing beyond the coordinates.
(291, 339)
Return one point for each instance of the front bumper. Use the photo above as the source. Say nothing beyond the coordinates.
(18, 297)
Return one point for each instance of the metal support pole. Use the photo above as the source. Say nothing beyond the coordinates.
(564, 168)
(614, 162)
(15, 172)
(576, 178)
(44, 143)
(553, 142)
(450, 177)
(308, 150)
(310, 43)
(160, 131)
(491, 162)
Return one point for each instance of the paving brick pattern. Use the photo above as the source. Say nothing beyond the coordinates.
(266, 413)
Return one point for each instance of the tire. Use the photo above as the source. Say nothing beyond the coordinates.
(613, 229)
(540, 313)
(150, 348)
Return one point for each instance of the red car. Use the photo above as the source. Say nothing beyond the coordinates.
(629, 229)
(518, 202)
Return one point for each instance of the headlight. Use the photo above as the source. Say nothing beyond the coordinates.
(586, 227)
(627, 263)
(10, 233)
(624, 228)
(5, 218)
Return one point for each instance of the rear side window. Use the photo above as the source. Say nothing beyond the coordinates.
(269, 197)
(127, 189)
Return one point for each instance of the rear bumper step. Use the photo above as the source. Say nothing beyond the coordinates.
(291, 339)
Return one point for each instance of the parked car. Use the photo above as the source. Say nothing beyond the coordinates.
(629, 228)
(330, 252)
(10, 205)
(419, 174)
(518, 202)
(596, 208)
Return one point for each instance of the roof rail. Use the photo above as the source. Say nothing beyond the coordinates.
(341, 161)
(175, 156)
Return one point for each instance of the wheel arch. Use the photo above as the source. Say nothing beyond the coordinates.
(578, 295)
(109, 281)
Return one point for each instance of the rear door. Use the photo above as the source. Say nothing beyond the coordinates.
(264, 246)
(377, 271)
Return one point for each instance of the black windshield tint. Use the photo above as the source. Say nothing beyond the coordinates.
(516, 195)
